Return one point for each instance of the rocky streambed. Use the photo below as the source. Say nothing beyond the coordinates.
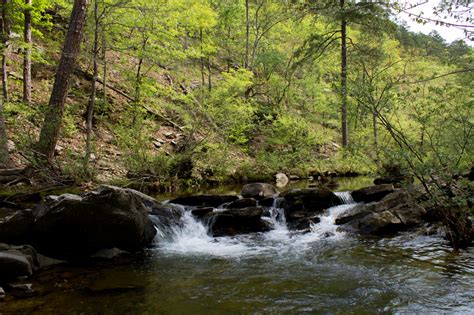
(121, 225)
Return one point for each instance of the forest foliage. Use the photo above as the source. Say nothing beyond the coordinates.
(248, 88)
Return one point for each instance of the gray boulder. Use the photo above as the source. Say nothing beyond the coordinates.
(310, 200)
(395, 212)
(71, 226)
(258, 191)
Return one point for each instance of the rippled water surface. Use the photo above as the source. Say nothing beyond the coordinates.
(323, 271)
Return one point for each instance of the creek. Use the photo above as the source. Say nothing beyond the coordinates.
(280, 271)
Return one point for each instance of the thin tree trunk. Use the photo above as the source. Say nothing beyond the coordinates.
(4, 156)
(138, 76)
(91, 104)
(104, 60)
(27, 56)
(376, 140)
(52, 123)
(344, 129)
(247, 34)
(6, 48)
(209, 74)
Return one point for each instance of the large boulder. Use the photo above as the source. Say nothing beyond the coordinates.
(16, 227)
(310, 200)
(71, 226)
(395, 212)
(372, 193)
(236, 221)
(204, 200)
(258, 191)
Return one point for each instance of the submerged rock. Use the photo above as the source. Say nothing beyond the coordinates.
(258, 191)
(395, 212)
(301, 221)
(204, 200)
(71, 226)
(236, 221)
(372, 193)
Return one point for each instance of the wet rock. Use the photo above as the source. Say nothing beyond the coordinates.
(204, 200)
(236, 221)
(201, 212)
(395, 212)
(16, 228)
(26, 251)
(300, 221)
(14, 265)
(267, 202)
(310, 200)
(241, 203)
(167, 215)
(21, 290)
(71, 226)
(258, 191)
(2, 294)
(372, 193)
(281, 180)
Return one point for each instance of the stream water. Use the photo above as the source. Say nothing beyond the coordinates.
(323, 271)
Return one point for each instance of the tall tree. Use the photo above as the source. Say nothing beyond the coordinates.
(27, 55)
(5, 48)
(344, 131)
(92, 98)
(52, 123)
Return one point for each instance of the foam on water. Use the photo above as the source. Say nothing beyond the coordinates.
(191, 238)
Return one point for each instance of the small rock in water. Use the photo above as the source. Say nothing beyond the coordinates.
(281, 180)
(258, 191)
(21, 290)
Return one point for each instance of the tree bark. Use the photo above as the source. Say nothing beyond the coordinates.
(376, 139)
(247, 34)
(6, 48)
(91, 104)
(27, 56)
(344, 129)
(4, 156)
(52, 123)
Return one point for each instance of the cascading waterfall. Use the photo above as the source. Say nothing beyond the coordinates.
(191, 237)
(327, 227)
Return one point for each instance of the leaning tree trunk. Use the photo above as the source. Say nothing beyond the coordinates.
(6, 47)
(52, 123)
(344, 130)
(27, 56)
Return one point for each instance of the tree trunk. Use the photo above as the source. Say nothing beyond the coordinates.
(4, 156)
(52, 123)
(6, 47)
(91, 104)
(104, 60)
(247, 34)
(376, 140)
(344, 130)
(27, 56)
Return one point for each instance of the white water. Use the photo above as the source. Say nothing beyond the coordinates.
(192, 237)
